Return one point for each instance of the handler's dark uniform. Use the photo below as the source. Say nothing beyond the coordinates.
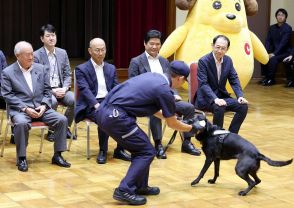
(140, 96)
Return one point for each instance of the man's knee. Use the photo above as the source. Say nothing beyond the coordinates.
(243, 109)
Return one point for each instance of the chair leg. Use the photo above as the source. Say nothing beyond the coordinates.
(172, 139)
(72, 135)
(42, 139)
(4, 139)
(88, 140)
(1, 121)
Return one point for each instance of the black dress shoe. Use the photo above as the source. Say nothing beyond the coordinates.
(50, 136)
(148, 191)
(264, 80)
(68, 135)
(160, 154)
(132, 199)
(121, 154)
(189, 148)
(101, 158)
(58, 160)
(22, 165)
(12, 141)
(269, 82)
(289, 84)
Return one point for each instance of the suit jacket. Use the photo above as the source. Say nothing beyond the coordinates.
(278, 40)
(209, 87)
(64, 71)
(87, 85)
(140, 65)
(3, 64)
(16, 91)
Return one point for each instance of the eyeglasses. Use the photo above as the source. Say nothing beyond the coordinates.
(219, 48)
(99, 50)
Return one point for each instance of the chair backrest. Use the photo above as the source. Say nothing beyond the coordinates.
(193, 82)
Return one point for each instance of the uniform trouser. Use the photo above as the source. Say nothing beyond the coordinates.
(69, 101)
(269, 70)
(124, 129)
(232, 105)
(102, 136)
(22, 125)
(185, 109)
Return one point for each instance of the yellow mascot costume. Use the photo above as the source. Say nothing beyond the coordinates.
(209, 18)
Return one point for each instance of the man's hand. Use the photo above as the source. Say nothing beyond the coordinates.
(220, 102)
(242, 100)
(41, 109)
(177, 98)
(271, 55)
(96, 106)
(59, 92)
(288, 58)
(32, 112)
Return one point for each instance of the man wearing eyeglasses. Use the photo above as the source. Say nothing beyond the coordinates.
(214, 70)
(60, 73)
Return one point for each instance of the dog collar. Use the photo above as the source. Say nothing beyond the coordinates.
(220, 132)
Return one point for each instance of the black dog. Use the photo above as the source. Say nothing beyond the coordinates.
(222, 145)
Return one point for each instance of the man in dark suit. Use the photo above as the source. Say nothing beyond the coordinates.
(95, 78)
(277, 45)
(26, 89)
(214, 70)
(60, 73)
(150, 61)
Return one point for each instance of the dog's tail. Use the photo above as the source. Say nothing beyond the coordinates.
(274, 163)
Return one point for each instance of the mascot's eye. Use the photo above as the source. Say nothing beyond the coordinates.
(238, 6)
(217, 5)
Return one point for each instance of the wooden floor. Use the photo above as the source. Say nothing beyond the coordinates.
(269, 125)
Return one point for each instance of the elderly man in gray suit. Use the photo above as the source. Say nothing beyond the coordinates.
(60, 73)
(26, 89)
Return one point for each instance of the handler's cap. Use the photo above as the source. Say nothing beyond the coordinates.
(180, 68)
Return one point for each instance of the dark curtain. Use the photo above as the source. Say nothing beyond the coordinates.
(76, 23)
(133, 18)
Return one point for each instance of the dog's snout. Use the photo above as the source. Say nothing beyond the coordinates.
(231, 16)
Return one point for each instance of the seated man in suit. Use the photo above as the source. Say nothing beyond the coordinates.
(150, 61)
(60, 73)
(26, 89)
(95, 78)
(214, 70)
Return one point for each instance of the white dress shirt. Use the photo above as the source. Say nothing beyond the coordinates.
(27, 75)
(154, 63)
(102, 90)
(218, 65)
(54, 75)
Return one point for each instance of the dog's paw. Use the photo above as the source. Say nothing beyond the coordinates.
(194, 182)
(211, 181)
(242, 193)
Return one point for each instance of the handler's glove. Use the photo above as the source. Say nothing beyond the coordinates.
(198, 124)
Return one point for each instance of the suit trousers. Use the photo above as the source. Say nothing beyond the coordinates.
(269, 70)
(184, 109)
(69, 101)
(232, 105)
(124, 129)
(22, 125)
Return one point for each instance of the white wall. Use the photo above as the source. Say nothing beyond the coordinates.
(286, 4)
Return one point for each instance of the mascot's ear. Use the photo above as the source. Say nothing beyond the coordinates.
(251, 7)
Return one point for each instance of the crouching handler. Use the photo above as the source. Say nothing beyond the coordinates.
(117, 117)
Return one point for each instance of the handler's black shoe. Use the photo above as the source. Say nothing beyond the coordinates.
(121, 154)
(189, 148)
(148, 191)
(160, 154)
(132, 199)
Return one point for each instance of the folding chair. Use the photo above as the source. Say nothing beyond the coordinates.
(35, 125)
(87, 121)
